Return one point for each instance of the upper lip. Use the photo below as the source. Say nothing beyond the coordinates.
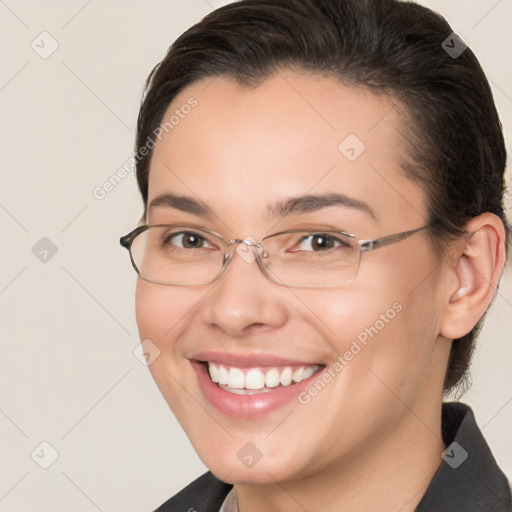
(248, 360)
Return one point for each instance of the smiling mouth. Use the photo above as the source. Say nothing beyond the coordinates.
(257, 380)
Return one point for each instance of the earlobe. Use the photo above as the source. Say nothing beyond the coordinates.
(476, 273)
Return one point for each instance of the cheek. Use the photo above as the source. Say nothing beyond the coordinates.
(349, 315)
(159, 311)
(389, 329)
(162, 314)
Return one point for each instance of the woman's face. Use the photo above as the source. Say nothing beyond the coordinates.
(241, 152)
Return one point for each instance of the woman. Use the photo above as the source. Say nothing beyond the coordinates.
(323, 234)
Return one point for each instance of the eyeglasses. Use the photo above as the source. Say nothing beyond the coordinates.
(181, 255)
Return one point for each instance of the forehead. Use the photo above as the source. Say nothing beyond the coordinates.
(240, 148)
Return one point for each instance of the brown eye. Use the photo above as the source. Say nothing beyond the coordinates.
(318, 242)
(187, 240)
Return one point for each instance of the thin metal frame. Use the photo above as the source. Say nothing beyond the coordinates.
(364, 246)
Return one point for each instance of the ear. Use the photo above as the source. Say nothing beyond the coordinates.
(476, 269)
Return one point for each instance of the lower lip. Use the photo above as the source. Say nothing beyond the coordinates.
(248, 406)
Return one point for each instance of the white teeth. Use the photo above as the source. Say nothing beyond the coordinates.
(235, 380)
(297, 374)
(272, 378)
(254, 380)
(308, 372)
(245, 391)
(286, 376)
(223, 376)
(213, 370)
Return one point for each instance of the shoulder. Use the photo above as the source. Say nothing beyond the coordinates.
(468, 478)
(205, 494)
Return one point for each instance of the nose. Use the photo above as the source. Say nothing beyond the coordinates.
(243, 300)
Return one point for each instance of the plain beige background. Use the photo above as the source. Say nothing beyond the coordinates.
(68, 374)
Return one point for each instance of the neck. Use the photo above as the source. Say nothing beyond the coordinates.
(390, 473)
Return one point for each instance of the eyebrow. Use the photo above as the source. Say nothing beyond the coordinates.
(288, 207)
(311, 203)
(182, 203)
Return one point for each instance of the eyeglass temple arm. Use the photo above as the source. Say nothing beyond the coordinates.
(127, 240)
(370, 245)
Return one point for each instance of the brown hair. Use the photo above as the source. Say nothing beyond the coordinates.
(455, 149)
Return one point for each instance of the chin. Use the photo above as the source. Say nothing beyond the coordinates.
(245, 466)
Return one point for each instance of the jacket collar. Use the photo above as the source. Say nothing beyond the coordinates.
(468, 480)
